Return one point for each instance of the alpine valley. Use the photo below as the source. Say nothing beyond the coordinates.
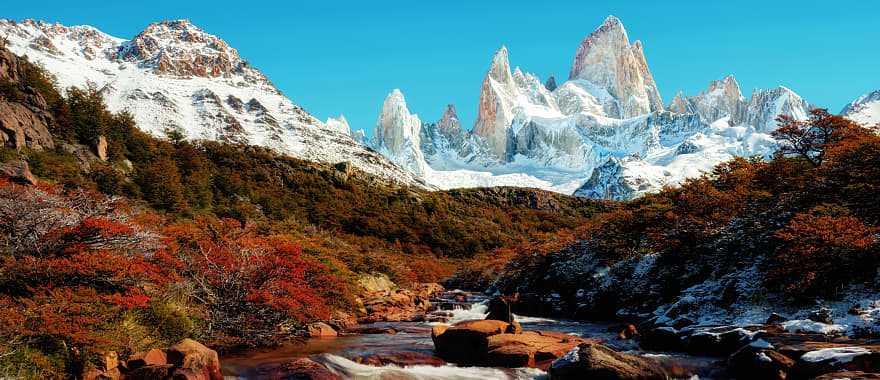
(167, 213)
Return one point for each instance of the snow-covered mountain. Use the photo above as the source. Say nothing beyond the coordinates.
(604, 133)
(174, 76)
(865, 110)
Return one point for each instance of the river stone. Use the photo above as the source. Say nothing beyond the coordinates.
(466, 342)
(759, 363)
(321, 330)
(595, 361)
(529, 349)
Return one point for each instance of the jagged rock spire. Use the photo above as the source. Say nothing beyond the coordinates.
(497, 96)
(606, 59)
(550, 84)
(397, 134)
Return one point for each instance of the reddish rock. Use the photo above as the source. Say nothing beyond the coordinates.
(528, 349)
(19, 171)
(466, 342)
(304, 369)
(628, 332)
(321, 330)
(851, 375)
(151, 357)
(192, 355)
(499, 309)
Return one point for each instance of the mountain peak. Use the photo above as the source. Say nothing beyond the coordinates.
(606, 59)
(500, 67)
(179, 48)
(397, 134)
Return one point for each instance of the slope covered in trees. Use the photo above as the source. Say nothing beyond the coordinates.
(749, 238)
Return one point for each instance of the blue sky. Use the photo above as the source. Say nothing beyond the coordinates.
(343, 57)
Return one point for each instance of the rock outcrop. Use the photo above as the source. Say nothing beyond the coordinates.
(186, 360)
(383, 300)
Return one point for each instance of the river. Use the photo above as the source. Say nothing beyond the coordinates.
(338, 353)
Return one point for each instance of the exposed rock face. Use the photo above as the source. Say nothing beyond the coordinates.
(383, 300)
(550, 84)
(606, 59)
(398, 132)
(193, 357)
(180, 48)
(766, 105)
(722, 98)
(495, 115)
(22, 126)
(595, 361)
(444, 136)
(608, 182)
(864, 110)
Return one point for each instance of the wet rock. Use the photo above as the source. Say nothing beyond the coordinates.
(301, 369)
(662, 339)
(321, 330)
(499, 309)
(400, 359)
(833, 359)
(466, 342)
(193, 356)
(851, 375)
(595, 361)
(529, 349)
(372, 330)
(628, 332)
(775, 319)
(759, 363)
(822, 315)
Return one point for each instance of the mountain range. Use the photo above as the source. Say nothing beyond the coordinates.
(603, 133)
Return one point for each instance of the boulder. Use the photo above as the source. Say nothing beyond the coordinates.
(833, 359)
(192, 355)
(628, 332)
(150, 357)
(595, 361)
(19, 171)
(499, 309)
(98, 374)
(823, 315)
(775, 319)
(466, 342)
(528, 349)
(662, 339)
(759, 363)
(321, 330)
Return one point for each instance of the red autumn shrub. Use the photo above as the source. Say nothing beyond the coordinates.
(251, 284)
(822, 253)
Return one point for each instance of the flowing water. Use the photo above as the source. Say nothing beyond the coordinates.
(338, 353)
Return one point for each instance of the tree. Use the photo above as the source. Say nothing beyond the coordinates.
(808, 139)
